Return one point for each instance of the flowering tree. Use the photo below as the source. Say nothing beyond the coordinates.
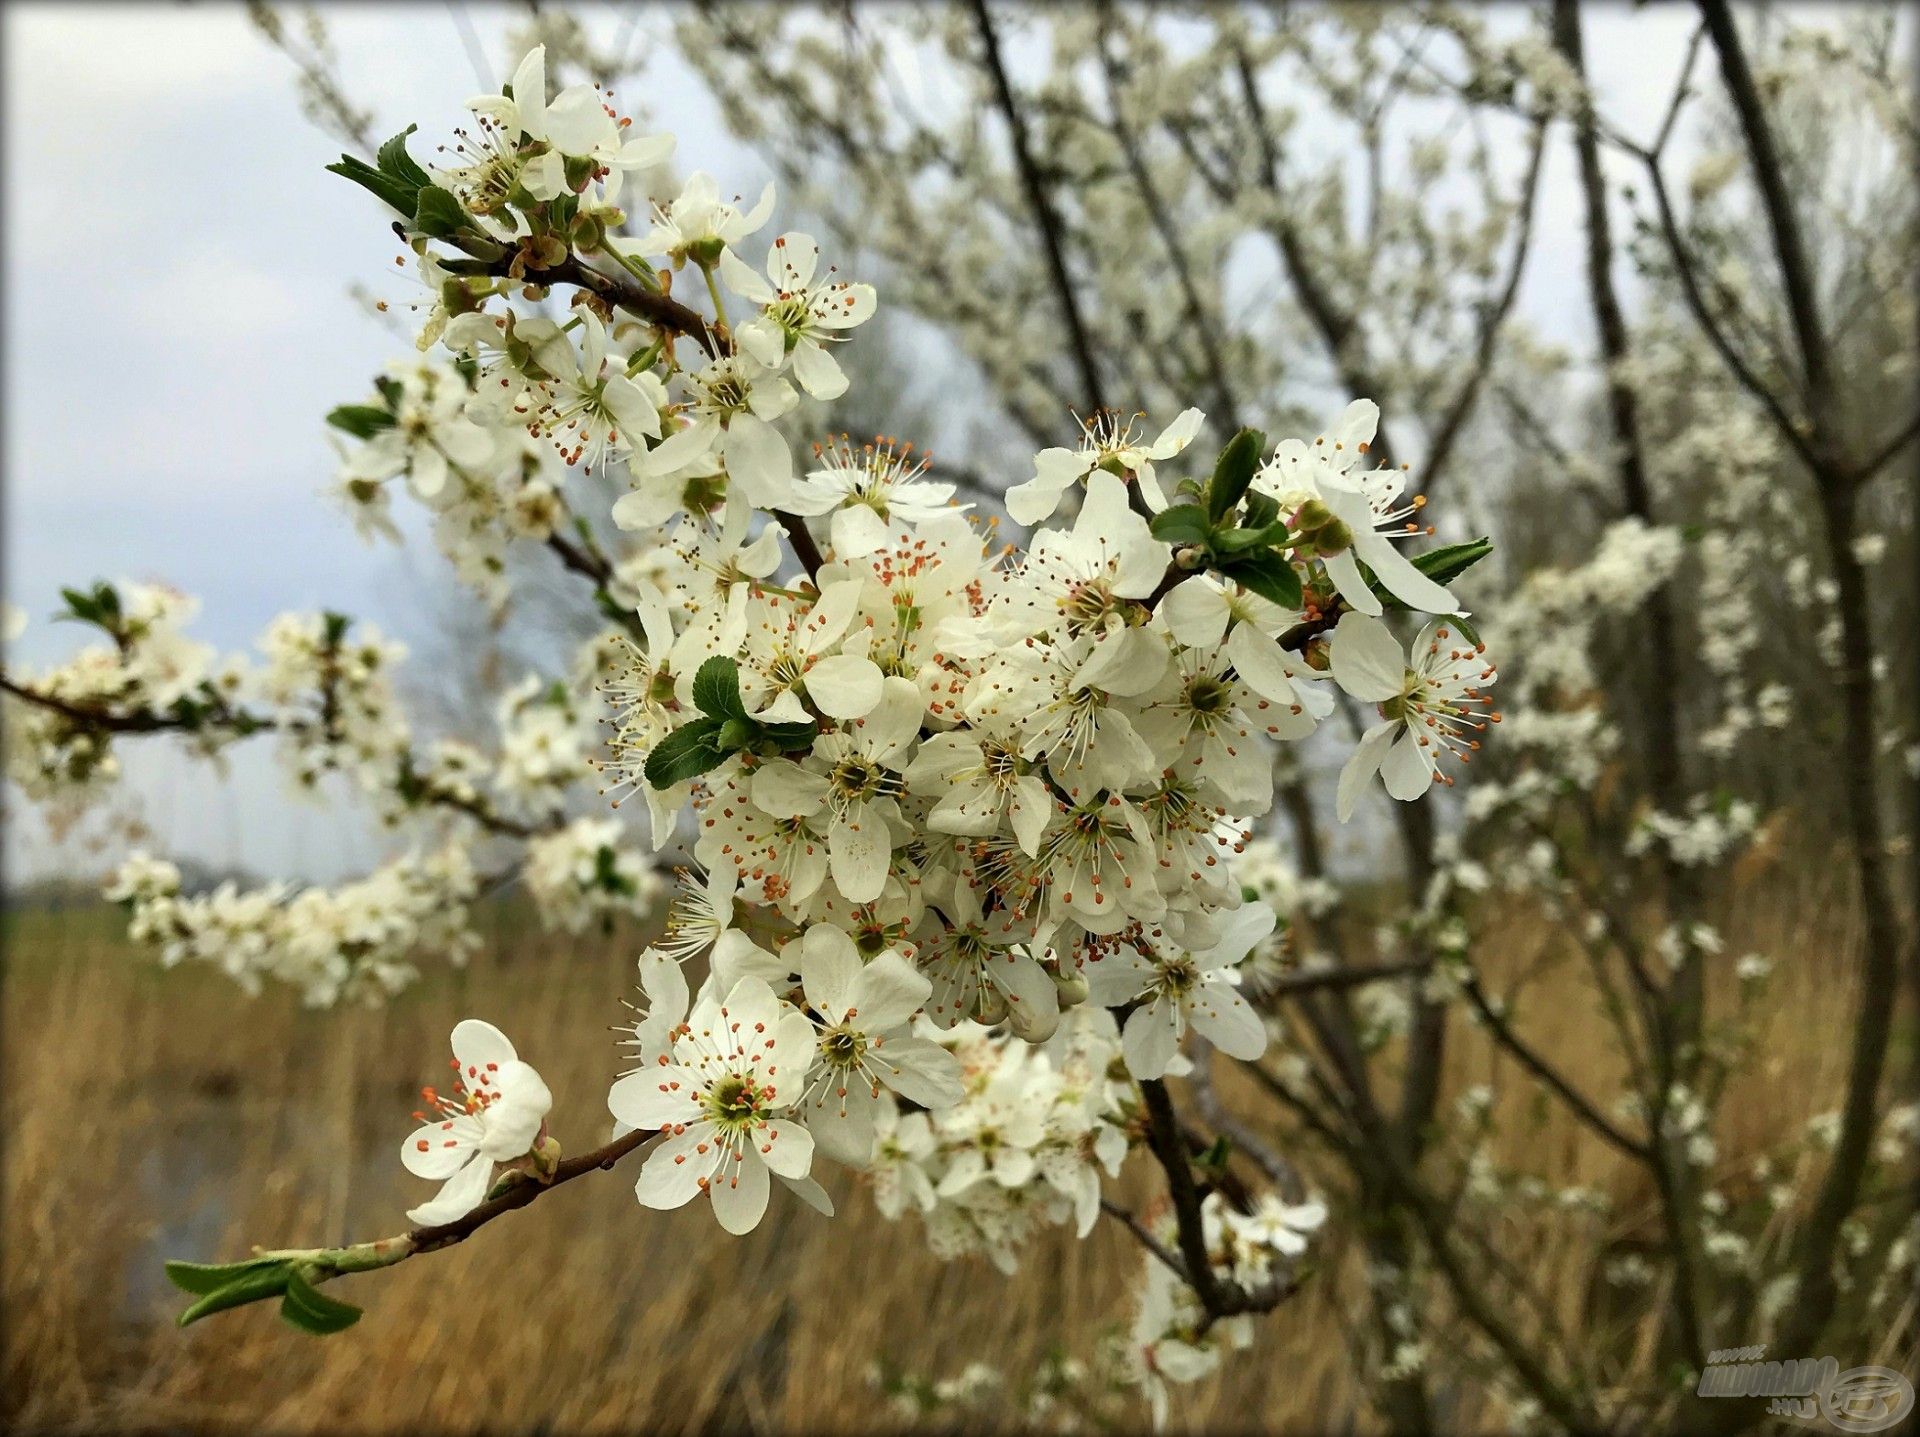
(967, 817)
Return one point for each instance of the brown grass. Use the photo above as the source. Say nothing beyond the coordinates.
(152, 1115)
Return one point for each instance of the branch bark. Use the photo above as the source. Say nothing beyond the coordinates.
(1040, 202)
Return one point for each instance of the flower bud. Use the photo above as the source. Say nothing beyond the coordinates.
(588, 233)
(1317, 530)
(1072, 987)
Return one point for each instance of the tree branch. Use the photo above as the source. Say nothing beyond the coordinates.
(1145, 1238)
(1581, 1106)
(1046, 218)
(1796, 273)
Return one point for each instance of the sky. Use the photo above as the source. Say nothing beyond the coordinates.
(178, 321)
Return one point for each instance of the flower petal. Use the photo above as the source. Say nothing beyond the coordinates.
(739, 1193)
(845, 686)
(1366, 659)
(460, 1195)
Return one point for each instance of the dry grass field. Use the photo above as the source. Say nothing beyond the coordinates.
(151, 1115)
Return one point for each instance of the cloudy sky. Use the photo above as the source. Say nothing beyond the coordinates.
(178, 321)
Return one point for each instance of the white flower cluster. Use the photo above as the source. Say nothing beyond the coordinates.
(1708, 833)
(588, 872)
(332, 698)
(1023, 773)
(150, 663)
(484, 483)
(1024, 1147)
(353, 942)
(1171, 1342)
(544, 739)
(943, 793)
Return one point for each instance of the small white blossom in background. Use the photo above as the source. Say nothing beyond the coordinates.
(588, 872)
(357, 941)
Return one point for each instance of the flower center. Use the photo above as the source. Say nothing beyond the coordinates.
(843, 1047)
(736, 1102)
(1088, 605)
(1208, 695)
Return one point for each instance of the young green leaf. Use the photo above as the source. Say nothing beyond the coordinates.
(1447, 563)
(1230, 543)
(1234, 472)
(362, 421)
(311, 1310)
(437, 213)
(394, 160)
(685, 753)
(202, 1278)
(1262, 511)
(790, 736)
(254, 1286)
(1270, 576)
(1182, 524)
(716, 689)
(397, 193)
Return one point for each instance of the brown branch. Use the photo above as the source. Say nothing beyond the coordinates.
(1491, 321)
(622, 290)
(106, 720)
(1877, 461)
(446, 1234)
(1145, 1238)
(243, 725)
(1686, 271)
(1523, 1053)
(1796, 273)
(1676, 1034)
(1046, 217)
(1220, 1296)
(804, 547)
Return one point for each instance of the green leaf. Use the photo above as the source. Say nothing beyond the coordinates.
(1262, 510)
(1234, 472)
(397, 193)
(1447, 563)
(1467, 630)
(1182, 524)
(394, 160)
(437, 213)
(254, 1286)
(736, 734)
(362, 421)
(1270, 576)
(607, 874)
(80, 606)
(202, 1278)
(716, 689)
(99, 605)
(1230, 543)
(685, 753)
(789, 736)
(310, 1310)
